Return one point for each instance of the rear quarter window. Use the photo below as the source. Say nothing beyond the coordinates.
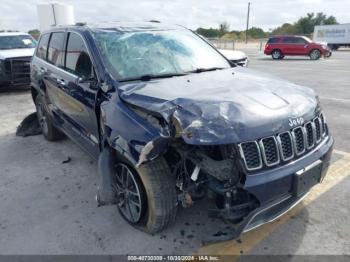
(55, 52)
(42, 46)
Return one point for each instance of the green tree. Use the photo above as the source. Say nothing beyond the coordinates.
(306, 25)
(256, 32)
(34, 33)
(285, 29)
(224, 28)
(210, 33)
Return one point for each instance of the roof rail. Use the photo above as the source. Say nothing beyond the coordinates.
(80, 23)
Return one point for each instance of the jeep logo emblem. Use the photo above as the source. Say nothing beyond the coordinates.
(296, 121)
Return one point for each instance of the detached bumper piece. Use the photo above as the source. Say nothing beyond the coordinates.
(273, 211)
(258, 217)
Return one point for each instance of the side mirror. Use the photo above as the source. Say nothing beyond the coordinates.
(90, 82)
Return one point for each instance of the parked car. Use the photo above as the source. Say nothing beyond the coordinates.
(16, 51)
(235, 56)
(280, 46)
(170, 121)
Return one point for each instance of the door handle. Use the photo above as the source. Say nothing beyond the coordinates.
(61, 82)
(42, 70)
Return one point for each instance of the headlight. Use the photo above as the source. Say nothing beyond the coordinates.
(324, 47)
(177, 125)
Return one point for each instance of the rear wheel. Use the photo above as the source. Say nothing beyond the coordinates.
(315, 54)
(277, 54)
(146, 197)
(48, 129)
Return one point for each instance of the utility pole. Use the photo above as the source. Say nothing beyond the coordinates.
(246, 31)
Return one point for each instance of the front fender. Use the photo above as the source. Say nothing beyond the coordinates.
(133, 137)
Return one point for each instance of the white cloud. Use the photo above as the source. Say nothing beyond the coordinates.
(22, 15)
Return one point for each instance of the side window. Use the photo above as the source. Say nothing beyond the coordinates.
(272, 40)
(286, 40)
(42, 47)
(56, 51)
(290, 40)
(78, 61)
(300, 40)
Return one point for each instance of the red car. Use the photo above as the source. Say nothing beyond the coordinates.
(280, 46)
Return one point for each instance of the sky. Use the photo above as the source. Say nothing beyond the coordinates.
(267, 14)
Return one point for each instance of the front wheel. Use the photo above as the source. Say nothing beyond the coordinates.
(315, 54)
(146, 196)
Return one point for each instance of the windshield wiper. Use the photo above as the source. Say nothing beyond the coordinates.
(200, 70)
(150, 76)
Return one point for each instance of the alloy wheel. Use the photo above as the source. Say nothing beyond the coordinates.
(276, 54)
(315, 54)
(128, 194)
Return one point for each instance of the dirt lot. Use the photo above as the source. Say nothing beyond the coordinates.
(47, 207)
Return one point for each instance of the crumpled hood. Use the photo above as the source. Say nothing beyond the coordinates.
(20, 52)
(224, 106)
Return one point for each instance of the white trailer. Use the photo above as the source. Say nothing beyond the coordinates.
(54, 14)
(334, 36)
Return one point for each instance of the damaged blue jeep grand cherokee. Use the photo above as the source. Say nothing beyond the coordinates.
(170, 120)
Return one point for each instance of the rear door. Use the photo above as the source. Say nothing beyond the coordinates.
(288, 47)
(79, 82)
(38, 65)
(53, 69)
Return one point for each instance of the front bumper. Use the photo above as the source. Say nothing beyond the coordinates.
(4, 80)
(274, 188)
(269, 185)
(242, 62)
(327, 53)
(15, 72)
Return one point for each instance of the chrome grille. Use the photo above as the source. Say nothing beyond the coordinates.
(252, 156)
(285, 145)
(323, 125)
(318, 129)
(310, 134)
(270, 151)
(299, 140)
(18, 69)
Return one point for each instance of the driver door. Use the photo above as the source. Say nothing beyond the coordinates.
(79, 81)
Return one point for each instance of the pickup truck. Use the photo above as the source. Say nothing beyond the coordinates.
(16, 51)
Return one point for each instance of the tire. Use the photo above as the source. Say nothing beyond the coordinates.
(276, 54)
(158, 200)
(315, 54)
(49, 131)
